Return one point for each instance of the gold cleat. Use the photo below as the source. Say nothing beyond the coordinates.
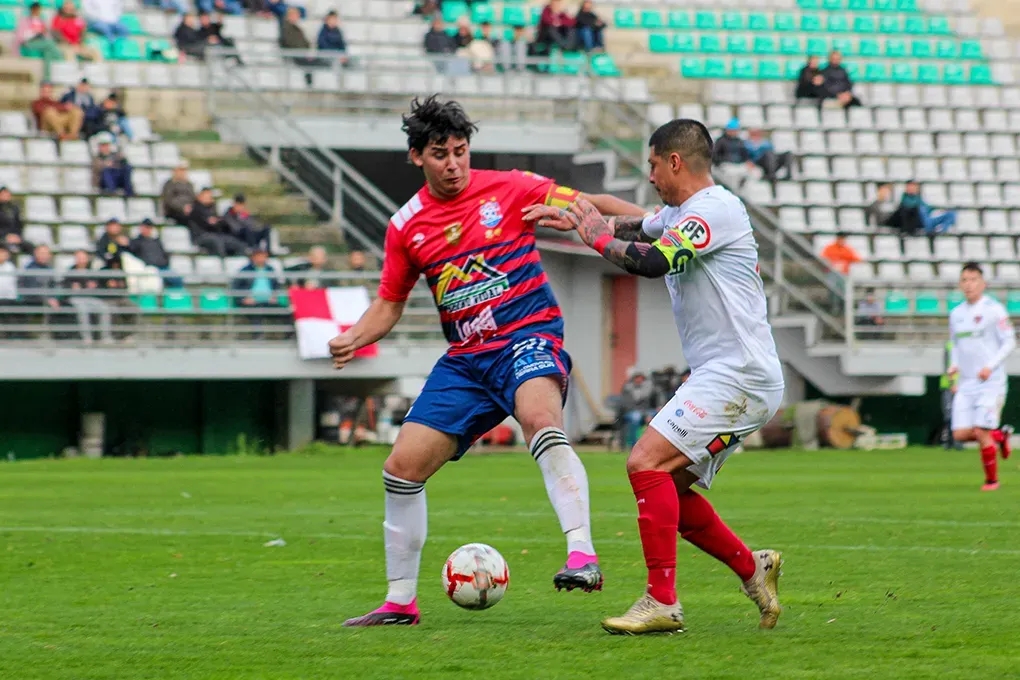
(763, 588)
(648, 615)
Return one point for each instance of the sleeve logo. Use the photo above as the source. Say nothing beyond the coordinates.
(696, 229)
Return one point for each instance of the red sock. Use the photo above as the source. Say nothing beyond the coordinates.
(998, 436)
(702, 527)
(658, 516)
(991, 466)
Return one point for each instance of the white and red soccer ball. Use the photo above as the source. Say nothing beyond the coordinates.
(475, 576)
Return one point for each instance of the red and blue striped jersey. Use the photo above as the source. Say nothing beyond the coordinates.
(479, 259)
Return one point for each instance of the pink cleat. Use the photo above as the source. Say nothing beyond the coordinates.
(990, 486)
(389, 614)
(1001, 437)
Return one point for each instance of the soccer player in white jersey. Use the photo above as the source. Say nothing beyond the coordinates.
(701, 242)
(982, 338)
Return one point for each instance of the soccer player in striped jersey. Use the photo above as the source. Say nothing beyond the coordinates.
(464, 232)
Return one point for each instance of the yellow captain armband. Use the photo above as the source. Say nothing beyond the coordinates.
(561, 197)
(677, 248)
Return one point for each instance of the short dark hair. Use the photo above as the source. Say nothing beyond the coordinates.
(688, 138)
(884, 184)
(434, 121)
(840, 234)
(972, 267)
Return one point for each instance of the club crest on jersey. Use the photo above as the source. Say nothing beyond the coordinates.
(490, 213)
(977, 319)
(482, 283)
(696, 229)
(453, 232)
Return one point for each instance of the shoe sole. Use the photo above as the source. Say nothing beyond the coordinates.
(571, 586)
(629, 633)
(772, 582)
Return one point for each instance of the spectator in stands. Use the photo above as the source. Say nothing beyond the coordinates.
(837, 83)
(293, 38)
(207, 230)
(33, 38)
(280, 8)
(256, 284)
(111, 173)
(426, 8)
(189, 37)
(437, 40)
(765, 156)
(148, 248)
(732, 153)
(212, 31)
(331, 37)
(811, 81)
(869, 310)
(11, 225)
(881, 210)
(513, 53)
(113, 242)
(478, 50)
(178, 195)
(112, 119)
(589, 28)
(39, 284)
(636, 405)
(68, 30)
(8, 280)
(240, 223)
(840, 255)
(83, 286)
(914, 215)
(224, 6)
(356, 261)
(555, 28)
(61, 119)
(105, 17)
(170, 6)
(81, 96)
(314, 265)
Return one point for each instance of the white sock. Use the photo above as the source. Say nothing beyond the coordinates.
(566, 482)
(404, 529)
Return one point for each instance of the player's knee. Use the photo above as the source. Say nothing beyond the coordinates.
(640, 458)
(405, 467)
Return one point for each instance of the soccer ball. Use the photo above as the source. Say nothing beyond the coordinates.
(475, 576)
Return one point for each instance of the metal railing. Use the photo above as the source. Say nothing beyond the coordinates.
(62, 309)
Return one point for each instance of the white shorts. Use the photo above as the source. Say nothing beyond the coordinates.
(706, 420)
(980, 408)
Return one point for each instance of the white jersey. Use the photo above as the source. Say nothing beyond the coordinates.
(718, 296)
(982, 337)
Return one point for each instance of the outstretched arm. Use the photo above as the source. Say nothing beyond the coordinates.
(607, 204)
(378, 320)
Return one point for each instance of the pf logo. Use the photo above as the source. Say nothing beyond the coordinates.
(696, 229)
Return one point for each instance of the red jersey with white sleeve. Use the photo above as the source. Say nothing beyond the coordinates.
(479, 259)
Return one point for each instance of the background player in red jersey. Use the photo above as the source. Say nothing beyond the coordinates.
(463, 230)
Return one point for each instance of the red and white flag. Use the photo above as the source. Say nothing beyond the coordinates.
(322, 314)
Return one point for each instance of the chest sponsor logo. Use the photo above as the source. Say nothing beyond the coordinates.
(477, 325)
(696, 229)
(490, 214)
(453, 232)
(481, 283)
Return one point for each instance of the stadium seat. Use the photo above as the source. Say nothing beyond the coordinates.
(453, 10)
(146, 303)
(732, 21)
(214, 300)
(482, 13)
(177, 301)
(783, 22)
(133, 25)
(603, 65)
(706, 21)
(764, 45)
(515, 15)
(737, 44)
(928, 303)
(678, 19)
(896, 303)
(651, 19)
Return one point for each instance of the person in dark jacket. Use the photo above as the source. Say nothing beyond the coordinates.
(11, 225)
(148, 248)
(331, 37)
(189, 37)
(914, 215)
(764, 155)
(111, 118)
(293, 38)
(84, 295)
(314, 267)
(437, 40)
(730, 148)
(256, 285)
(556, 27)
(589, 28)
(211, 27)
(113, 242)
(243, 226)
(837, 83)
(39, 285)
(208, 231)
(178, 195)
(810, 81)
(81, 96)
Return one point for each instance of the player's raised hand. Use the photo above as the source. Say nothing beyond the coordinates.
(984, 374)
(550, 216)
(342, 349)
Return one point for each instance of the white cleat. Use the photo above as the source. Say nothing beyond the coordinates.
(763, 588)
(648, 615)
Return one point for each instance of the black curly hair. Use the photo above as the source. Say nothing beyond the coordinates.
(436, 121)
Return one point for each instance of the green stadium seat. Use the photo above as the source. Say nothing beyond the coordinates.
(791, 46)
(737, 44)
(876, 72)
(939, 26)
(853, 69)
(12, 3)
(833, 5)
(770, 69)
(283, 299)
(928, 74)
(865, 24)
(127, 50)
(954, 299)
(915, 26)
(903, 73)
(843, 46)
(838, 23)
(810, 23)
(890, 25)
(678, 19)
(884, 5)
(483, 13)
(895, 48)
(953, 75)
(867, 47)
(536, 15)
(134, 26)
(146, 303)
(809, 4)
(715, 68)
(710, 44)
(857, 5)
(514, 15)
(818, 47)
(764, 45)
(625, 18)
(603, 65)
(793, 68)
(947, 49)
(706, 21)
(1013, 302)
(921, 49)
(572, 62)
(970, 49)
(215, 299)
(453, 10)
(742, 68)
(757, 21)
(651, 19)
(928, 303)
(896, 303)
(29, 52)
(177, 301)
(732, 21)
(981, 74)
(156, 50)
(684, 43)
(906, 6)
(786, 23)
(101, 44)
(659, 43)
(692, 67)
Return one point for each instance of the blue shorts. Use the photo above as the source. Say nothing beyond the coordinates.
(469, 394)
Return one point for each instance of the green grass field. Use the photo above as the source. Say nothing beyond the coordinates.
(896, 567)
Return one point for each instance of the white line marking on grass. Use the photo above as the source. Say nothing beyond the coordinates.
(509, 539)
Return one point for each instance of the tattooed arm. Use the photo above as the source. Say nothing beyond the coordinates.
(629, 228)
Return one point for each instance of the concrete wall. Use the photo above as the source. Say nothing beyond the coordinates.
(658, 342)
